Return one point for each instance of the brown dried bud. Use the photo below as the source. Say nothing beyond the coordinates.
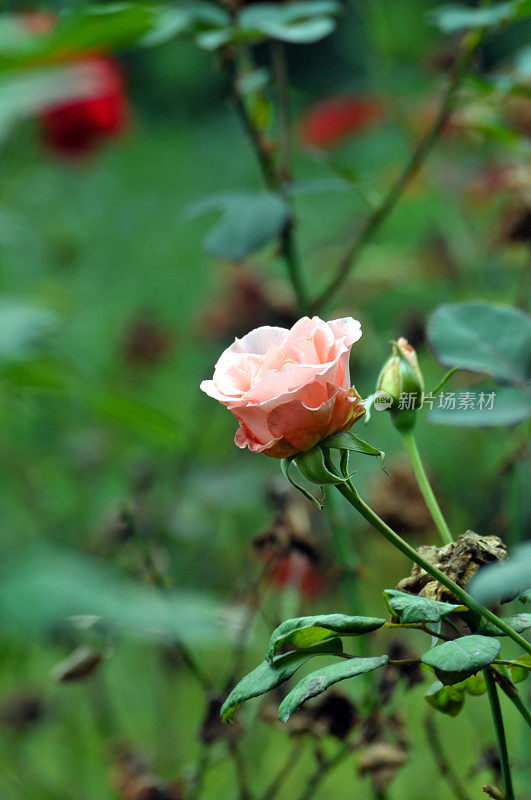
(493, 791)
(145, 342)
(381, 761)
(21, 710)
(334, 715)
(399, 501)
(515, 226)
(78, 666)
(134, 779)
(213, 729)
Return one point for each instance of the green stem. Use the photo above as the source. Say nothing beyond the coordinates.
(349, 492)
(410, 444)
(494, 701)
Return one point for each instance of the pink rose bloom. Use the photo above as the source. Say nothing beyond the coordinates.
(289, 389)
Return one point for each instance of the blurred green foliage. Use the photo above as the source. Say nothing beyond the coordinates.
(111, 315)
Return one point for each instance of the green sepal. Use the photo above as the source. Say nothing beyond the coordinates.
(313, 467)
(284, 466)
(353, 444)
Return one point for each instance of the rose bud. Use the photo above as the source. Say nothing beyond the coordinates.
(332, 121)
(289, 389)
(76, 127)
(401, 380)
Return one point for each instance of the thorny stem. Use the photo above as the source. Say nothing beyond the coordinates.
(410, 444)
(415, 162)
(349, 492)
(274, 182)
(444, 765)
(494, 701)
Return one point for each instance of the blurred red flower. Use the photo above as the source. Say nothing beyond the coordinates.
(76, 127)
(298, 571)
(330, 122)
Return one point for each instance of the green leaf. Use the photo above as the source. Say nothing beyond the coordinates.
(519, 623)
(409, 608)
(248, 221)
(185, 18)
(446, 699)
(298, 22)
(480, 337)
(319, 681)
(500, 582)
(348, 441)
(305, 631)
(508, 406)
(456, 660)
(24, 329)
(456, 17)
(268, 676)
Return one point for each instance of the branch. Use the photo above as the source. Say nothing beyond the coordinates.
(323, 769)
(293, 756)
(416, 161)
(272, 178)
(445, 768)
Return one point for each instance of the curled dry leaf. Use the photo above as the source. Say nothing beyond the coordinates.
(458, 560)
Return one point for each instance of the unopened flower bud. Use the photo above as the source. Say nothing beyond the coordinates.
(401, 381)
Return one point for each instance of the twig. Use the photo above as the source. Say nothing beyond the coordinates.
(280, 70)
(418, 626)
(415, 162)
(293, 756)
(241, 639)
(239, 766)
(274, 182)
(323, 769)
(445, 768)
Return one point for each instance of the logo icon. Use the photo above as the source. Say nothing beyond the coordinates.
(382, 400)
